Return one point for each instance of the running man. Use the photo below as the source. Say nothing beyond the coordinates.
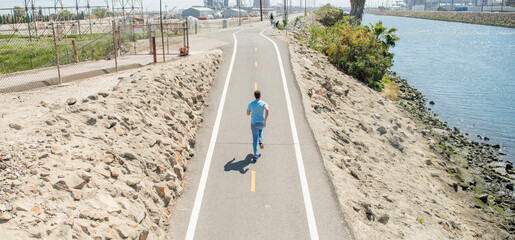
(259, 110)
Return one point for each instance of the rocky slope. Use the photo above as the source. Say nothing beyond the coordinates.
(390, 178)
(102, 158)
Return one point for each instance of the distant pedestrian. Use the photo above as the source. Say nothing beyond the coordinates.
(259, 111)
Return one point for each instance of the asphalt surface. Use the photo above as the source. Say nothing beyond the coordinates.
(234, 198)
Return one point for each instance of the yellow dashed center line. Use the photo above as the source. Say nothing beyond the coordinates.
(255, 63)
(255, 86)
(253, 181)
(255, 49)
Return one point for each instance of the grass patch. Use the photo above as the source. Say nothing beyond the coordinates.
(21, 55)
(390, 91)
(420, 220)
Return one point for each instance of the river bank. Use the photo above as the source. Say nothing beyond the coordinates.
(483, 18)
(398, 171)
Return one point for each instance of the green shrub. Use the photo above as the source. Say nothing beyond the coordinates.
(329, 16)
(280, 26)
(362, 52)
(359, 54)
(297, 19)
(285, 21)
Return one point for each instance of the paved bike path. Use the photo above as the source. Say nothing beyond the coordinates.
(262, 200)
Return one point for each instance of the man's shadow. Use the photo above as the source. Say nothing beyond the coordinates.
(239, 165)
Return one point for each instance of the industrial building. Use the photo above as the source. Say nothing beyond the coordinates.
(450, 5)
(233, 12)
(266, 4)
(198, 12)
(216, 4)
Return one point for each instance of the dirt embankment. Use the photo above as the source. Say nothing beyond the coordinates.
(506, 19)
(101, 158)
(388, 172)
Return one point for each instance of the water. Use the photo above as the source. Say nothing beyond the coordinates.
(467, 70)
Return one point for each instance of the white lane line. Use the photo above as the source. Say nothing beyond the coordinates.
(205, 171)
(302, 172)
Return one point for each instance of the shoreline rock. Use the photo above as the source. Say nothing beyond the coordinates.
(492, 175)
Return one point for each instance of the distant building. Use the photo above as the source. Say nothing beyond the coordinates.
(198, 12)
(233, 12)
(266, 3)
(216, 4)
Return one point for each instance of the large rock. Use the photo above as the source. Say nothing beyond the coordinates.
(110, 203)
(69, 182)
(160, 189)
(15, 126)
(382, 130)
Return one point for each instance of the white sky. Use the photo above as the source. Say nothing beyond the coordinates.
(180, 4)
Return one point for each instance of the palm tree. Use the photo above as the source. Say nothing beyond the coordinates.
(384, 34)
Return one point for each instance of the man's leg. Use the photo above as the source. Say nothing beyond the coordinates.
(255, 136)
(260, 127)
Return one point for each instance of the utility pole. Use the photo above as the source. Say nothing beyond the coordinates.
(161, 23)
(305, 7)
(238, 5)
(261, 9)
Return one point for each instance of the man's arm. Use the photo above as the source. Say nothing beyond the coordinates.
(266, 113)
(248, 112)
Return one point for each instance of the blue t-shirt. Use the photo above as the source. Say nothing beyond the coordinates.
(257, 109)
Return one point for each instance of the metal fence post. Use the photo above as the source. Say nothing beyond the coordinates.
(184, 33)
(168, 40)
(115, 48)
(56, 54)
(154, 51)
(149, 35)
(75, 51)
(163, 41)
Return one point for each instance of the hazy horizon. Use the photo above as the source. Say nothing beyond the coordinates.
(152, 5)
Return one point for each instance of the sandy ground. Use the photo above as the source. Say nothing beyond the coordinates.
(390, 180)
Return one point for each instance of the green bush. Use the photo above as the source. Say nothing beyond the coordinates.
(297, 20)
(285, 21)
(280, 26)
(329, 16)
(361, 52)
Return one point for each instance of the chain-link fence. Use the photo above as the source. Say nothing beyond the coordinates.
(139, 39)
(203, 26)
(58, 53)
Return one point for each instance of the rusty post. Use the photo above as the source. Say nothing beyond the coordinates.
(56, 54)
(75, 51)
(115, 47)
(184, 33)
(154, 52)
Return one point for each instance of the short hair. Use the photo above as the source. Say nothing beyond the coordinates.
(257, 94)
